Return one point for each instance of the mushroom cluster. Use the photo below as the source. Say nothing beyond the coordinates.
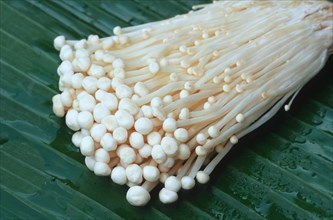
(165, 101)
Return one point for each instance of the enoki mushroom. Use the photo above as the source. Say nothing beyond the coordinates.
(165, 101)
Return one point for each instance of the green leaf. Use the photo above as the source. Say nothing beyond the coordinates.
(281, 171)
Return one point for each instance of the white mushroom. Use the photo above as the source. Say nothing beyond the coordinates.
(166, 101)
(137, 196)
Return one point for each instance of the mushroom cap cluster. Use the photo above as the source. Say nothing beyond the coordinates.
(165, 101)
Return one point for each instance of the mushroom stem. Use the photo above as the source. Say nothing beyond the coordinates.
(196, 166)
(186, 166)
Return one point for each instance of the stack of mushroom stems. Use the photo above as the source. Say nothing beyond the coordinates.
(165, 101)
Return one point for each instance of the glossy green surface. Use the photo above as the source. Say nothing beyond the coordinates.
(281, 171)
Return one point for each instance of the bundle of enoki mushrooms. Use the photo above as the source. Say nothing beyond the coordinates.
(165, 101)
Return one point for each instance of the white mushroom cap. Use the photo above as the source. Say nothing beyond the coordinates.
(86, 102)
(85, 119)
(181, 134)
(143, 125)
(154, 138)
(151, 173)
(99, 54)
(158, 154)
(81, 94)
(122, 39)
(120, 135)
(102, 169)
(66, 98)
(129, 106)
(183, 94)
(90, 163)
(97, 132)
(141, 89)
(135, 97)
(159, 113)
(71, 120)
(200, 151)
(87, 146)
(81, 52)
(153, 67)
(173, 77)
(108, 99)
(100, 112)
(169, 146)
(234, 139)
(164, 62)
(240, 118)
(65, 81)
(202, 177)
(173, 184)
(212, 99)
(123, 91)
(207, 105)
(82, 63)
(201, 138)
(66, 53)
(184, 113)
(137, 196)
(107, 44)
(110, 122)
(188, 86)
(117, 30)
(59, 42)
(118, 63)
(104, 83)
(119, 73)
(134, 173)
(167, 99)
(187, 182)
(99, 94)
(124, 119)
(169, 125)
(93, 39)
(145, 151)
(101, 155)
(58, 107)
(126, 154)
(147, 111)
(108, 142)
(156, 102)
(77, 138)
(77, 79)
(136, 140)
(213, 131)
(184, 152)
(118, 175)
(167, 196)
(89, 83)
(116, 81)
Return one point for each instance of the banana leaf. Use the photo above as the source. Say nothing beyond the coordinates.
(283, 170)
